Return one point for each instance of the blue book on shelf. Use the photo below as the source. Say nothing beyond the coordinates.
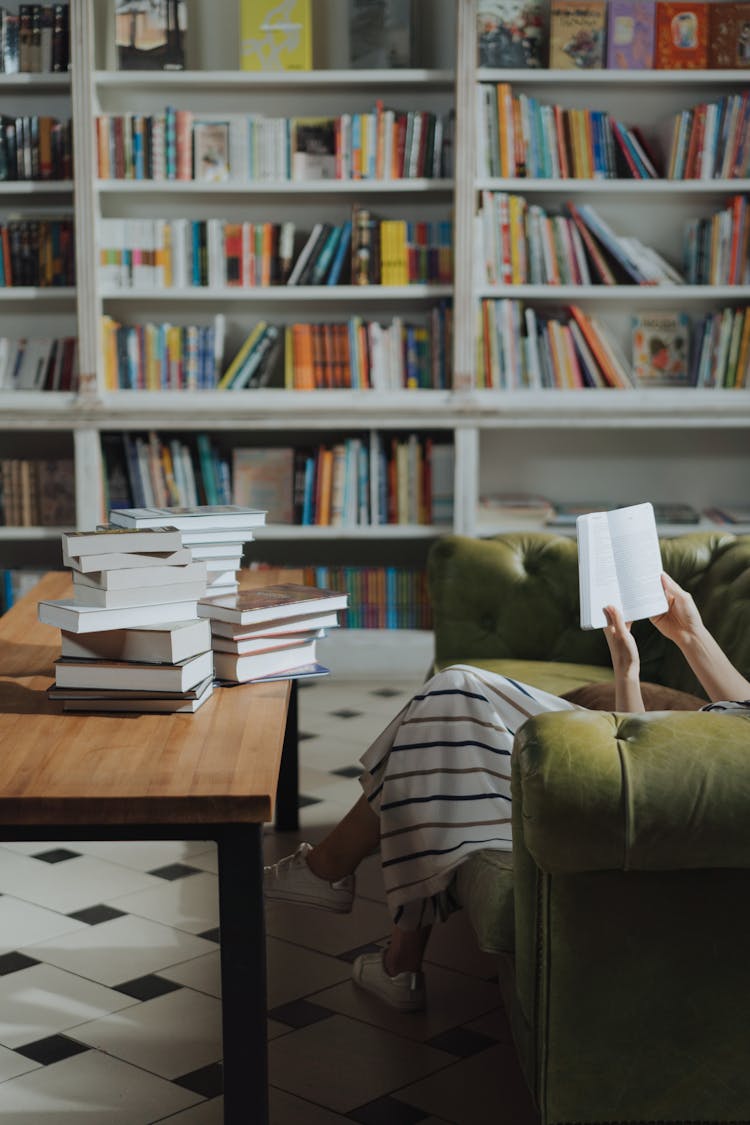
(309, 490)
(7, 591)
(341, 256)
(325, 257)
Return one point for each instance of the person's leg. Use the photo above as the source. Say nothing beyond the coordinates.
(406, 950)
(340, 853)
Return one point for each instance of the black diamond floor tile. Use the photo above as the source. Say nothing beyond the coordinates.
(461, 1041)
(345, 714)
(303, 801)
(211, 935)
(386, 692)
(304, 735)
(173, 871)
(300, 1013)
(147, 988)
(56, 855)
(94, 915)
(348, 771)
(13, 962)
(53, 1049)
(208, 1081)
(387, 1111)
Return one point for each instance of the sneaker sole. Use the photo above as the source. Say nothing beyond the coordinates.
(398, 1006)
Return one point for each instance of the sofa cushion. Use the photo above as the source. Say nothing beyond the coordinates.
(484, 886)
(656, 697)
(553, 676)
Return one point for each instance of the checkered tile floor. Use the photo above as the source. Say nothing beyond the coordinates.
(109, 978)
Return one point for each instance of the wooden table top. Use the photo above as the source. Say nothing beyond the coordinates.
(217, 766)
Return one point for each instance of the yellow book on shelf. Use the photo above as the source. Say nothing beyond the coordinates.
(241, 356)
(288, 358)
(276, 35)
(109, 353)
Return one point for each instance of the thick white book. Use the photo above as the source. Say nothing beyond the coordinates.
(76, 618)
(140, 579)
(268, 603)
(231, 666)
(249, 645)
(87, 596)
(275, 628)
(202, 516)
(132, 676)
(120, 560)
(152, 644)
(165, 704)
(104, 540)
(619, 564)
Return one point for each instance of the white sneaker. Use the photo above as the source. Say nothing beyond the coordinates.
(291, 880)
(405, 991)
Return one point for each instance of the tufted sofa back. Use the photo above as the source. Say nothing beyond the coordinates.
(515, 596)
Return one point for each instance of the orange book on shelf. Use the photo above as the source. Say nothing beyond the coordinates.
(325, 473)
(681, 35)
(505, 129)
(742, 373)
(595, 345)
(562, 148)
(303, 357)
(572, 367)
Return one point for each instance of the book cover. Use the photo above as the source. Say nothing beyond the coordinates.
(150, 34)
(276, 35)
(211, 153)
(661, 349)
(631, 28)
(577, 34)
(681, 36)
(266, 603)
(729, 36)
(512, 33)
(619, 564)
(264, 478)
(314, 148)
(380, 34)
(189, 518)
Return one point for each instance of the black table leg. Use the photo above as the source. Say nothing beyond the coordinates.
(243, 974)
(287, 812)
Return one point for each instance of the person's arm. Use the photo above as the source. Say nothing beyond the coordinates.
(626, 661)
(682, 623)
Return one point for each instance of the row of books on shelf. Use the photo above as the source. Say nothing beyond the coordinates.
(523, 347)
(39, 364)
(37, 252)
(35, 148)
(360, 481)
(185, 253)
(499, 508)
(145, 470)
(157, 357)
(383, 144)
(379, 597)
(37, 493)
(520, 243)
(34, 39)
(518, 136)
(617, 35)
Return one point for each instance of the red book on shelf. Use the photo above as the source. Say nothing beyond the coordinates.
(681, 35)
(594, 343)
(695, 144)
(598, 260)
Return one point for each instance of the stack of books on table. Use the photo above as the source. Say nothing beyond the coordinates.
(215, 533)
(270, 632)
(131, 636)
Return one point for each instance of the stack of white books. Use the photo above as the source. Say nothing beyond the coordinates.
(131, 636)
(215, 533)
(271, 632)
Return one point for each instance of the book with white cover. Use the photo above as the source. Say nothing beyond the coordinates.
(276, 628)
(249, 645)
(103, 540)
(231, 666)
(176, 705)
(619, 564)
(233, 538)
(138, 578)
(56, 692)
(142, 596)
(152, 644)
(267, 603)
(76, 618)
(71, 673)
(120, 560)
(201, 516)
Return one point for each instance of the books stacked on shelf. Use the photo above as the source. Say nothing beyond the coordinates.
(565, 514)
(270, 632)
(37, 252)
(721, 349)
(728, 45)
(39, 364)
(380, 597)
(711, 140)
(34, 39)
(521, 244)
(381, 34)
(35, 148)
(519, 136)
(157, 357)
(383, 144)
(150, 36)
(367, 355)
(37, 493)
(131, 637)
(716, 248)
(577, 34)
(215, 534)
(525, 348)
(631, 34)
(275, 38)
(682, 35)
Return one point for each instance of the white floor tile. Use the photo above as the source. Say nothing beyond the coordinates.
(206, 1113)
(191, 903)
(70, 885)
(295, 972)
(91, 1088)
(11, 1065)
(24, 923)
(171, 1035)
(121, 950)
(42, 1000)
(285, 1109)
(203, 974)
(142, 855)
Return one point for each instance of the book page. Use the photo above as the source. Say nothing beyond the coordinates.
(635, 545)
(596, 568)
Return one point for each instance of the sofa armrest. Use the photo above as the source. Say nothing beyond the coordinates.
(660, 791)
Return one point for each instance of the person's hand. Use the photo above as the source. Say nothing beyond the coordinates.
(681, 621)
(622, 647)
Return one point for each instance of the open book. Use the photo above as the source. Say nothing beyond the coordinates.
(619, 564)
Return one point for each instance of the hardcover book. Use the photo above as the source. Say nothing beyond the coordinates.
(619, 564)
(630, 34)
(681, 36)
(264, 478)
(577, 34)
(512, 33)
(150, 34)
(189, 518)
(380, 34)
(661, 349)
(269, 603)
(276, 34)
(729, 38)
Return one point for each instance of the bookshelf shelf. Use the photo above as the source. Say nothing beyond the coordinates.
(630, 294)
(296, 294)
(35, 83)
(356, 188)
(642, 79)
(36, 187)
(380, 531)
(31, 534)
(666, 188)
(50, 295)
(678, 408)
(280, 80)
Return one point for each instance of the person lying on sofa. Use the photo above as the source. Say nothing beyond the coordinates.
(436, 787)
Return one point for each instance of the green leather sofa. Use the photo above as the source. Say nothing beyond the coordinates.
(622, 921)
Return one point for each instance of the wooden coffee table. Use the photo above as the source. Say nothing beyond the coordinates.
(211, 775)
